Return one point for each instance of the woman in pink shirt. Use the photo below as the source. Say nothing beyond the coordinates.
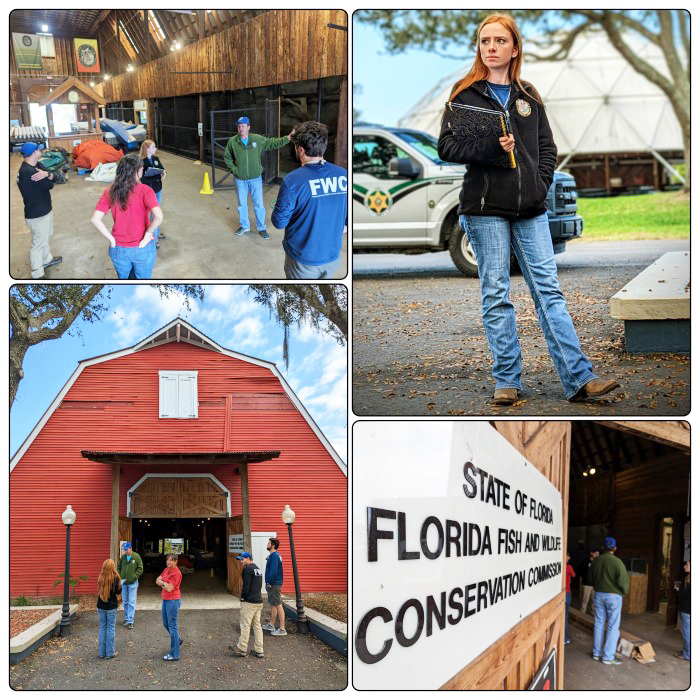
(131, 244)
(170, 581)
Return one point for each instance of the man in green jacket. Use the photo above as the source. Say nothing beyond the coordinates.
(243, 157)
(130, 569)
(610, 582)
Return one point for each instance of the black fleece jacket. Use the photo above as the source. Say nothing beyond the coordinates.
(492, 190)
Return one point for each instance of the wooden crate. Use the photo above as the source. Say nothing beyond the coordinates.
(636, 599)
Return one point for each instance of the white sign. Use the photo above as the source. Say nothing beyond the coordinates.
(456, 538)
(235, 544)
(140, 104)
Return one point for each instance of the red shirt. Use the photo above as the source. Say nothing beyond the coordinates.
(130, 224)
(570, 573)
(172, 576)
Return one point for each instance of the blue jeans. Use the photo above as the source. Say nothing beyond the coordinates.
(129, 599)
(105, 637)
(159, 196)
(606, 605)
(170, 611)
(253, 186)
(141, 260)
(566, 619)
(491, 238)
(685, 631)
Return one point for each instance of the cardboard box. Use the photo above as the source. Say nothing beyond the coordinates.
(644, 653)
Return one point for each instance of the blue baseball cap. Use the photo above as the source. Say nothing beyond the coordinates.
(28, 148)
(610, 542)
(243, 120)
(245, 555)
(126, 545)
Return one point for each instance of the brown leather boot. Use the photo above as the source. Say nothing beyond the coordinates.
(505, 397)
(596, 387)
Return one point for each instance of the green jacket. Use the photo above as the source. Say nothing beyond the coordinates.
(608, 575)
(245, 161)
(130, 570)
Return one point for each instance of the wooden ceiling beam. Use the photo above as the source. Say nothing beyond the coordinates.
(95, 25)
(673, 433)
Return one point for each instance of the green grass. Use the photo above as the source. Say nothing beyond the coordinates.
(22, 601)
(638, 217)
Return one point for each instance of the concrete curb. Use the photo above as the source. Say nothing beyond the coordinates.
(328, 630)
(31, 639)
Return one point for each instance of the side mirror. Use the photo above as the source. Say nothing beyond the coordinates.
(404, 168)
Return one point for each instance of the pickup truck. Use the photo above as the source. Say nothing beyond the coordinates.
(405, 198)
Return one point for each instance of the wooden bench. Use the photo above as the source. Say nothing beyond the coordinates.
(655, 306)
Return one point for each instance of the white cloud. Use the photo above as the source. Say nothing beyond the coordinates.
(130, 325)
(335, 399)
(247, 333)
(164, 309)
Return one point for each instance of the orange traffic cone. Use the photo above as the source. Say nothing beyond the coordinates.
(206, 187)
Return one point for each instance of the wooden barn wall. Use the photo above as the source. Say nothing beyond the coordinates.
(114, 406)
(512, 661)
(280, 46)
(591, 499)
(642, 495)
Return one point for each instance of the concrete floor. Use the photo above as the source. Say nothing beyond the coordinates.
(200, 242)
(666, 673)
(200, 591)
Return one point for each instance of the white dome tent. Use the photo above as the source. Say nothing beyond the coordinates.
(597, 104)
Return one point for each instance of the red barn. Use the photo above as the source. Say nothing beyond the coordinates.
(176, 444)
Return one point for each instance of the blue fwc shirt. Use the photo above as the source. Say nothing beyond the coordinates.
(312, 207)
(501, 92)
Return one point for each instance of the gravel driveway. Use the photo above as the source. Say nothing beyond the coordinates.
(294, 662)
(419, 347)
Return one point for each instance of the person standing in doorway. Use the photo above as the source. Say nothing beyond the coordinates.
(243, 157)
(312, 207)
(684, 612)
(586, 588)
(35, 183)
(108, 588)
(251, 608)
(502, 207)
(570, 573)
(155, 182)
(273, 584)
(170, 581)
(610, 582)
(130, 570)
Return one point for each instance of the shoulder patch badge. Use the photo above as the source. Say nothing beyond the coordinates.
(523, 107)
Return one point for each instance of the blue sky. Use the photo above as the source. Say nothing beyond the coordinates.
(317, 368)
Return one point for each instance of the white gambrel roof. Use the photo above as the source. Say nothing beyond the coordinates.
(178, 331)
(596, 102)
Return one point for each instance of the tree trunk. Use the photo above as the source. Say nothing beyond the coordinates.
(18, 349)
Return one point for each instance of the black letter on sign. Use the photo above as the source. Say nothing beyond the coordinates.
(361, 637)
(403, 554)
(373, 534)
(398, 625)
(432, 520)
(470, 492)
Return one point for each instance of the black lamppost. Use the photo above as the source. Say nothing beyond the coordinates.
(68, 518)
(288, 518)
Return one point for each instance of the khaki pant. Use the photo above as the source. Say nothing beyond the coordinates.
(250, 615)
(586, 593)
(40, 253)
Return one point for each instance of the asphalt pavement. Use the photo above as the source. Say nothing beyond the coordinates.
(419, 347)
(294, 662)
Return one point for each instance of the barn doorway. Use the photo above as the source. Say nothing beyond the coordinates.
(199, 542)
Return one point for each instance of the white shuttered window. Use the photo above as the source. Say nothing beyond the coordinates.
(178, 394)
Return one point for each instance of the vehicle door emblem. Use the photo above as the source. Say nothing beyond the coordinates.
(378, 202)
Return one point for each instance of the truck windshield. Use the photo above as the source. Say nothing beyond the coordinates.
(425, 143)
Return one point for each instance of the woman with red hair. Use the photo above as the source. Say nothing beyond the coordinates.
(108, 588)
(502, 206)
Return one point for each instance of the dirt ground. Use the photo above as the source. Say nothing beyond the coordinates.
(419, 348)
(200, 241)
(294, 662)
(334, 605)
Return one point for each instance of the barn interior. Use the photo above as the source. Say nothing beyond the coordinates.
(200, 542)
(180, 78)
(631, 480)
